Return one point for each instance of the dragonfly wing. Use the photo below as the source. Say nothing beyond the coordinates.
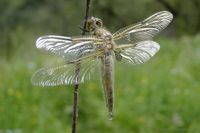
(68, 47)
(146, 29)
(66, 74)
(139, 52)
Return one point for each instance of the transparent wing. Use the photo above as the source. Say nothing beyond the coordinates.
(139, 52)
(69, 47)
(66, 74)
(146, 29)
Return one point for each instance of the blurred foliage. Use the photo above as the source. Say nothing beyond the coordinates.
(32, 18)
(159, 96)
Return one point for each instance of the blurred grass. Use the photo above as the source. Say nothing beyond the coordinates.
(160, 96)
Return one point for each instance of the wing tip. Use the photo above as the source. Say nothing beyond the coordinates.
(34, 82)
(168, 14)
(38, 42)
(41, 40)
(155, 45)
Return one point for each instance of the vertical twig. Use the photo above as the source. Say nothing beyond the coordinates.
(76, 85)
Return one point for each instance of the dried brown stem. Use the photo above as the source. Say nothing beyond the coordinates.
(76, 85)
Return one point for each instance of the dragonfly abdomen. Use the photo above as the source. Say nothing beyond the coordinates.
(107, 79)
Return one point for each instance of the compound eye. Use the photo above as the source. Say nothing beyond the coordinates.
(99, 23)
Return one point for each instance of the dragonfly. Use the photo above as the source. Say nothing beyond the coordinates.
(98, 51)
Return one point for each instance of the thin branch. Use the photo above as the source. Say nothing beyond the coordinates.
(76, 84)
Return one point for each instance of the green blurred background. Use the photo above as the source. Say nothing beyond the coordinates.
(160, 96)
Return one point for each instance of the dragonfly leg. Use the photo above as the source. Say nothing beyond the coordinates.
(80, 27)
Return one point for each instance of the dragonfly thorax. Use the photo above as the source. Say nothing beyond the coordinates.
(109, 42)
(106, 36)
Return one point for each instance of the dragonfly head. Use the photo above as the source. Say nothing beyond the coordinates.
(93, 23)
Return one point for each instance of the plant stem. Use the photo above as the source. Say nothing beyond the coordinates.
(76, 85)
